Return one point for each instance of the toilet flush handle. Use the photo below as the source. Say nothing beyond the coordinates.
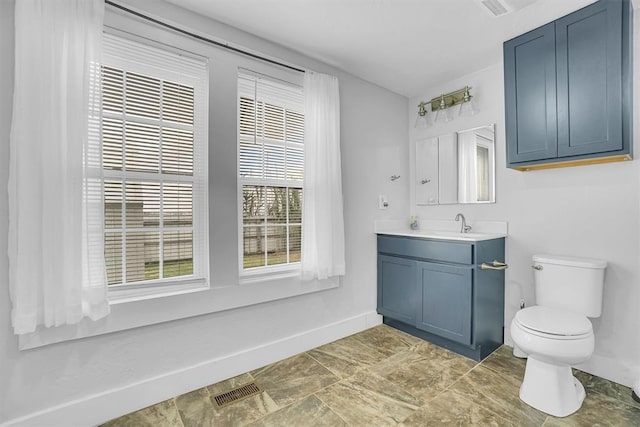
(536, 267)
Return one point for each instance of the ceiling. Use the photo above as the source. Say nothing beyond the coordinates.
(405, 46)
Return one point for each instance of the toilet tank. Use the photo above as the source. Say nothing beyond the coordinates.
(569, 283)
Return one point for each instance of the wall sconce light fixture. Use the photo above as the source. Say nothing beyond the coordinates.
(441, 112)
(422, 120)
(467, 106)
(441, 104)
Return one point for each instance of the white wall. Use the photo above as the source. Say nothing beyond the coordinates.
(7, 342)
(374, 135)
(591, 211)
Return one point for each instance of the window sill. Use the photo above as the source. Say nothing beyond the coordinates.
(145, 312)
(265, 274)
(131, 293)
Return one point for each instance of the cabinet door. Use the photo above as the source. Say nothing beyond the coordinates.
(589, 79)
(427, 176)
(397, 288)
(444, 300)
(530, 96)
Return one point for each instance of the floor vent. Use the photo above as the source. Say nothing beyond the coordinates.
(228, 397)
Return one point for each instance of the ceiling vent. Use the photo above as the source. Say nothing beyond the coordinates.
(503, 7)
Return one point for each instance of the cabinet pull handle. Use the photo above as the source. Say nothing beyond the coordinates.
(495, 265)
(425, 181)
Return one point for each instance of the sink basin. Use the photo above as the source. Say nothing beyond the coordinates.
(445, 235)
(455, 235)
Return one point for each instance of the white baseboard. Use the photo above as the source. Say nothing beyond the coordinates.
(610, 369)
(101, 407)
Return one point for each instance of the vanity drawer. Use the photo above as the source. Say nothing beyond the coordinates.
(438, 250)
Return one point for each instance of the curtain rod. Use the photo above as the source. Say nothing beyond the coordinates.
(201, 38)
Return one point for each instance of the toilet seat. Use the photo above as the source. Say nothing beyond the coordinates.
(554, 324)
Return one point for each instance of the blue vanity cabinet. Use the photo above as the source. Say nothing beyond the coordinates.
(396, 288)
(435, 289)
(568, 89)
(445, 300)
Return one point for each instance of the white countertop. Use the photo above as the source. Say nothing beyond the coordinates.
(444, 235)
(444, 230)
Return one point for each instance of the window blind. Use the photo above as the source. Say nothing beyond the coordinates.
(154, 145)
(271, 169)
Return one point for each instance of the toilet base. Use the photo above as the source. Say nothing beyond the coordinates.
(551, 388)
(518, 353)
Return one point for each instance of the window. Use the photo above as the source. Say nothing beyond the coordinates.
(271, 169)
(154, 154)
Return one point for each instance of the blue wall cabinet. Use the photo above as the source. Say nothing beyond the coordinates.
(530, 96)
(568, 89)
(434, 289)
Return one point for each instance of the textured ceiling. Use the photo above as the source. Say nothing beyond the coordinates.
(405, 46)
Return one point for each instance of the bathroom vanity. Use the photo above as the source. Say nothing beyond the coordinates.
(444, 287)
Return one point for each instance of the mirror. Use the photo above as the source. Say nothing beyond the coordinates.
(456, 168)
(476, 165)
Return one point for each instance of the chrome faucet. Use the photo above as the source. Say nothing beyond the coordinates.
(464, 228)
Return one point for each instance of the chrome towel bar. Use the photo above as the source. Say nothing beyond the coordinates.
(495, 265)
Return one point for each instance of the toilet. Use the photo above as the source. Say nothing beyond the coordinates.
(556, 334)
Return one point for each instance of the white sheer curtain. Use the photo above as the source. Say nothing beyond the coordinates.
(56, 256)
(322, 219)
(467, 188)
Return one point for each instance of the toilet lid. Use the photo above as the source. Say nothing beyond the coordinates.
(554, 322)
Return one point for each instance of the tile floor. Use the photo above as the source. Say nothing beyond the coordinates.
(382, 377)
